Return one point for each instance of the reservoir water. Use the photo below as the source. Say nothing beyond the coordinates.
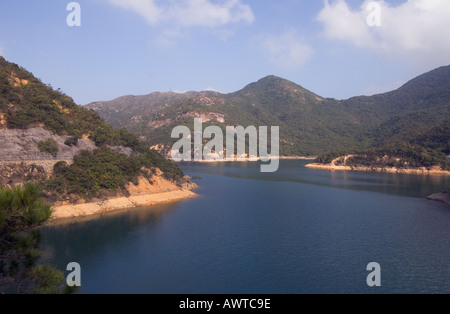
(295, 231)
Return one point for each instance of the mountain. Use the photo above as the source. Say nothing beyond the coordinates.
(70, 150)
(310, 125)
(303, 116)
(420, 104)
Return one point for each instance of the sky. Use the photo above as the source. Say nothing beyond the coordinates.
(335, 48)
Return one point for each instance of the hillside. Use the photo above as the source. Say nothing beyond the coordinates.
(428, 151)
(27, 103)
(70, 150)
(304, 118)
(310, 125)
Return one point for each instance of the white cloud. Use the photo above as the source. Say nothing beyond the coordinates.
(189, 13)
(414, 30)
(146, 8)
(167, 38)
(343, 24)
(287, 50)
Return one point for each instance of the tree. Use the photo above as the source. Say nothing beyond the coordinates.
(101, 136)
(49, 146)
(22, 211)
(71, 141)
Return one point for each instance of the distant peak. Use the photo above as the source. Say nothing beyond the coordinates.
(271, 77)
(272, 83)
(434, 80)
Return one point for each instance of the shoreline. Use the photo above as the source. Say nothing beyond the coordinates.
(250, 160)
(443, 197)
(419, 171)
(70, 211)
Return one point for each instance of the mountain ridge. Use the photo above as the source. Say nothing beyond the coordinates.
(310, 124)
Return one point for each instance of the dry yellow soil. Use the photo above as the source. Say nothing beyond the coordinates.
(145, 193)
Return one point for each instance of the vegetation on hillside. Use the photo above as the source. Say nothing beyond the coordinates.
(105, 172)
(22, 211)
(49, 146)
(310, 125)
(428, 149)
(26, 102)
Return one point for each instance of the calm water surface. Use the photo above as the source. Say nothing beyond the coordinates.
(295, 231)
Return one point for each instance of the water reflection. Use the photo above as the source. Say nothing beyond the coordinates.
(294, 171)
(86, 235)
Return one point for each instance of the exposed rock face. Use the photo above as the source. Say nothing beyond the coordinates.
(186, 184)
(12, 174)
(19, 145)
(22, 145)
(145, 193)
(341, 163)
(206, 117)
(121, 203)
(148, 104)
(21, 161)
(420, 171)
(158, 184)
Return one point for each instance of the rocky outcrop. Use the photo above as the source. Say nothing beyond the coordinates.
(206, 117)
(15, 173)
(187, 184)
(145, 193)
(443, 197)
(22, 145)
(341, 163)
(422, 170)
(120, 203)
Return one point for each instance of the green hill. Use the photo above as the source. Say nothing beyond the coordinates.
(419, 148)
(408, 127)
(310, 125)
(106, 159)
(26, 102)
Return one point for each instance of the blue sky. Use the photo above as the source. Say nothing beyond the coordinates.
(140, 46)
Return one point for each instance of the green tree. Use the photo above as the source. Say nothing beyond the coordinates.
(22, 211)
(71, 141)
(102, 136)
(49, 146)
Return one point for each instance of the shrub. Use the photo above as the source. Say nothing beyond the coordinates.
(49, 146)
(21, 212)
(71, 141)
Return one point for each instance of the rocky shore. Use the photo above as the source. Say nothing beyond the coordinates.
(422, 171)
(120, 203)
(443, 197)
(144, 194)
